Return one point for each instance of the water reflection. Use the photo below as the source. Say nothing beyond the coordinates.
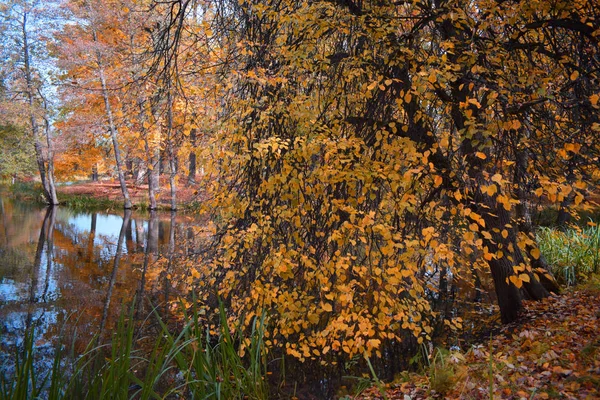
(71, 271)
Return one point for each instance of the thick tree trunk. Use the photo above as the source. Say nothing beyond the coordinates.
(523, 212)
(507, 257)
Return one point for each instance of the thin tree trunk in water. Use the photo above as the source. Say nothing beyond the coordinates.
(37, 263)
(170, 255)
(141, 291)
(153, 233)
(49, 251)
(113, 275)
(139, 235)
(91, 238)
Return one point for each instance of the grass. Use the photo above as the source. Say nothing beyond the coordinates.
(192, 364)
(573, 254)
(84, 202)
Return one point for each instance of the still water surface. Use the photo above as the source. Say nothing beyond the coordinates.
(69, 272)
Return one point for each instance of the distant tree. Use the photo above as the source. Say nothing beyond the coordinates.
(25, 73)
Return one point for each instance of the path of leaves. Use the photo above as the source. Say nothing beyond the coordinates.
(554, 352)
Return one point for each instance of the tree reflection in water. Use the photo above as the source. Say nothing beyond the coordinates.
(62, 271)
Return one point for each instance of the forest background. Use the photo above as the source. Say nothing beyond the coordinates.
(368, 168)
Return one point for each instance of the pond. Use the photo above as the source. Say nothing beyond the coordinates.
(67, 273)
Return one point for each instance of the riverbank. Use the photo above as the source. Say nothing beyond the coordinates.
(552, 352)
(106, 194)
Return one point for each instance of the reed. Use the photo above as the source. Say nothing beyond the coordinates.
(573, 254)
(192, 364)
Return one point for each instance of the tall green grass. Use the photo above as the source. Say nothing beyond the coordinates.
(572, 254)
(192, 364)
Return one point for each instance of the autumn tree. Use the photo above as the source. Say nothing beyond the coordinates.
(89, 53)
(375, 154)
(27, 68)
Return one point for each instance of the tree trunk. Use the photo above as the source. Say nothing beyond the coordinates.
(115, 141)
(151, 157)
(523, 212)
(113, 275)
(140, 172)
(192, 159)
(113, 129)
(39, 154)
(497, 220)
(171, 150)
(50, 177)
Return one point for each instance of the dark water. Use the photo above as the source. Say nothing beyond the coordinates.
(68, 273)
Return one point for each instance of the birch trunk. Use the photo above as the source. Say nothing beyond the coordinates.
(114, 136)
(113, 130)
(49, 191)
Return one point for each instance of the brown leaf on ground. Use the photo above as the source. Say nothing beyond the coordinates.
(552, 353)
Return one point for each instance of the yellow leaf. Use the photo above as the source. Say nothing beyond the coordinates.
(535, 253)
(480, 155)
(437, 180)
(574, 75)
(313, 318)
(327, 307)
(580, 185)
(594, 99)
(525, 278)
(432, 78)
(516, 281)
(490, 190)
(497, 178)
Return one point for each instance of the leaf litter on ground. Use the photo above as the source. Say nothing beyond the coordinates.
(552, 352)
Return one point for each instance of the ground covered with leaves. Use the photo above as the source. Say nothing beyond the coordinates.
(553, 352)
(111, 190)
